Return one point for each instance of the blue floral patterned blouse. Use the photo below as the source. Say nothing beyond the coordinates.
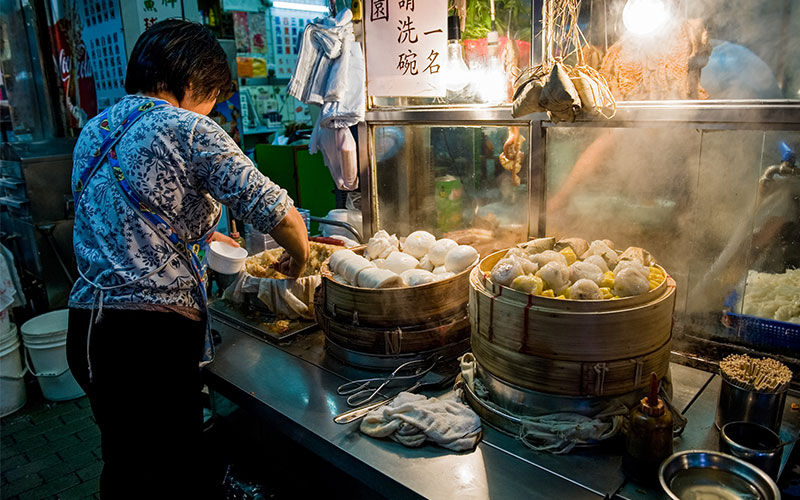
(182, 164)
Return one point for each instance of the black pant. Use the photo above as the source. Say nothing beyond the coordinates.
(146, 399)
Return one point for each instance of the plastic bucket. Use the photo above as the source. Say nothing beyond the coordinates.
(12, 375)
(45, 341)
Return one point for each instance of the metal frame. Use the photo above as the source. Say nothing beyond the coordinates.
(701, 115)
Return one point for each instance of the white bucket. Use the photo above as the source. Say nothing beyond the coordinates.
(12, 375)
(45, 340)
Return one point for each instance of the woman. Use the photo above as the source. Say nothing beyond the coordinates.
(149, 174)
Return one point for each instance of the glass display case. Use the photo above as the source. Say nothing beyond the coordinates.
(709, 185)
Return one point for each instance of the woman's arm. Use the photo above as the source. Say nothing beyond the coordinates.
(292, 235)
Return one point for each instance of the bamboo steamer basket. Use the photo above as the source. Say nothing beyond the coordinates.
(391, 307)
(401, 320)
(570, 347)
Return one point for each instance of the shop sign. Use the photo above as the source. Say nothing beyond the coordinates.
(406, 44)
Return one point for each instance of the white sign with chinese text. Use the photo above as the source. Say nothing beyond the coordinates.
(406, 44)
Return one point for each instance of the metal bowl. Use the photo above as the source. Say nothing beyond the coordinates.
(703, 473)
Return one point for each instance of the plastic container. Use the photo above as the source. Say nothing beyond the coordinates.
(338, 214)
(45, 341)
(256, 241)
(226, 259)
(12, 374)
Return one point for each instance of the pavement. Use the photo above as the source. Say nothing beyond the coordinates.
(49, 450)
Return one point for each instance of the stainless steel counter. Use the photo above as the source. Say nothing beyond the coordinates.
(292, 386)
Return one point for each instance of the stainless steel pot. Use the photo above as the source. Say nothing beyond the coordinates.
(705, 473)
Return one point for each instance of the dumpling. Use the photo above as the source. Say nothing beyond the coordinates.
(597, 261)
(528, 267)
(555, 275)
(585, 270)
(379, 278)
(460, 258)
(438, 251)
(585, 289)
(425, 263)
(418, 243)
(638, 253)
(529, 284)
(601, 248)
(379, 263)
(548, 256)
(578, 245)
(397, 262)
(381, 245)
(629, 281)
(439, 269)
(538, 245)
(414, 277)
(632, 264)
(443, 276)
(506, 270)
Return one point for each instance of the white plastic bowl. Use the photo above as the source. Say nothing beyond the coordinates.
(226, 259)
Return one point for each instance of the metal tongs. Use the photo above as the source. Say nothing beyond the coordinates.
(363, 391)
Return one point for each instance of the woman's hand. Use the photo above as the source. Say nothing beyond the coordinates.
(215, 236)
(289, 266)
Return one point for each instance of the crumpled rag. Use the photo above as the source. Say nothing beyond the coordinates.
(411, 419)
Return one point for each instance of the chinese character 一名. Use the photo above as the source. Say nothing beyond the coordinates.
(408, 62)
(406, 30)
(431, 67)
(379, 10)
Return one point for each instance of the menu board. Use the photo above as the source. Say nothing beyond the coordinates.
(406, 47)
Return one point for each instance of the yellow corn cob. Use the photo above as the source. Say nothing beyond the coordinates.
(561, 297)
(608, 280)
(528, 284)
(569, 254)
(566, 294)
(606, 293)
(656, 277)
(548, 293)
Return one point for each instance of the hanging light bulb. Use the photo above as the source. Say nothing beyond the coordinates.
(457, 71)
(645, 17)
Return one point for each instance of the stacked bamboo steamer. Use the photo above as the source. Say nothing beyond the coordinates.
(591, 348)
(402, 321)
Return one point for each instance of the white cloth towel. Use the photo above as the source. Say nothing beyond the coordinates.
(411, 419)
(289, 298)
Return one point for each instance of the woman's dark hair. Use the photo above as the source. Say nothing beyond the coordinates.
(173, 54)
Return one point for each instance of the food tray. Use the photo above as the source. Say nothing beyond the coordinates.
(763, 331)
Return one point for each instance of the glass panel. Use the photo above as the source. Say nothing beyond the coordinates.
(451, 181)
(699, 201)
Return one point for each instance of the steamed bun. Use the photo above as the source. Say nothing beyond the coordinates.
(397, 262)
(438, 251)
(460, 258)
(414, 277)
(418, 243)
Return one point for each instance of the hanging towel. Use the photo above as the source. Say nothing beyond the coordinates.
(411, 419)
